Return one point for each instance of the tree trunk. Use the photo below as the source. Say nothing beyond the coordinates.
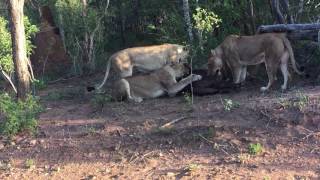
(252, 16)
(19, 48)
(277, 11)
(186, 12)
(286, 6)
(86, 67)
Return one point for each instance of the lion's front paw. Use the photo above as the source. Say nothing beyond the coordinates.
(136, 99)
(263, 89)
(196, 77)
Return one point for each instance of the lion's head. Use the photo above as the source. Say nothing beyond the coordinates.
(215, 62)
(180, 69)
(182, 54)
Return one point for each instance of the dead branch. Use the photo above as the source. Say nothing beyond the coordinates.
(169, 124)
(7, 77)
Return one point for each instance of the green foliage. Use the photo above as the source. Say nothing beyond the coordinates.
(229, 104)
(135, 23)
(188, 98)
(302, 101)
(29, 163)
(39, 84)
(18, 115)
(255, 149)
(5, 47)
(100, 99)
(6, 62)
(205, 21)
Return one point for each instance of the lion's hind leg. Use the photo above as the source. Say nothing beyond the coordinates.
(284, 69)
(271, 74)
(124, 87)
(243, 74)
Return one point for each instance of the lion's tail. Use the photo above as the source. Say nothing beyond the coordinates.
(106, 75)
(289, 48)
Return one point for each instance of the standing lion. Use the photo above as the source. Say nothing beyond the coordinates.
(237, 52)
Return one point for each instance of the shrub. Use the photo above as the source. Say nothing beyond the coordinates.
(255, 149)
(18, 115)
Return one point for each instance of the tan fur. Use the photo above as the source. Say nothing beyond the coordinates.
(156, 84)
(144, 59)
(237, 52)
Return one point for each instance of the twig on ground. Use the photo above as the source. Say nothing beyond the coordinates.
(169, 124)
(264, 113)
(211, 142)
(133, 160)
(61, 79)
(310, 133)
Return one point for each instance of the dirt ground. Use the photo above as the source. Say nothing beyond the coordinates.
(79, 138)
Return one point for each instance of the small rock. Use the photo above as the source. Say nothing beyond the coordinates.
(33, 142)
(170, 174)
(55, 168)
(12, 143)
(41, 141)
(1, 146)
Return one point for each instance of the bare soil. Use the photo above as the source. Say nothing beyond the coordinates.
(80, 139)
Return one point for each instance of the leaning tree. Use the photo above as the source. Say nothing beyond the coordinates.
(19, 47)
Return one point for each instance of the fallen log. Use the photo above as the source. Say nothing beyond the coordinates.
(294, 31)
(288, 27)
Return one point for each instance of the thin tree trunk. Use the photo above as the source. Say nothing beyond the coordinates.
(186, 12)
(19, 47)
(85, 44)
(277, 11)
(252, 16)
(286, 6)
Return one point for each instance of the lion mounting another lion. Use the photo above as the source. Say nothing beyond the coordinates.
(144, 59)
(237, 52)
(158, 83)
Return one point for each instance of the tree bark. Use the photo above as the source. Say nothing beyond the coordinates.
(19, 48)
(186, 13)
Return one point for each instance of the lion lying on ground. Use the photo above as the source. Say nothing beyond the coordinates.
(144, 59)
(237, 52)
(158, 83)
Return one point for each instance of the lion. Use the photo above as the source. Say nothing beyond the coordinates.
(158, 83)
(144, 59)
(237, 52)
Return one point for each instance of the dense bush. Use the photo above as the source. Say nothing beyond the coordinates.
(6, 62)
(18, 115)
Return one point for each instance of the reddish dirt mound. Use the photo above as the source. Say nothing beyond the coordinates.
(49, 57)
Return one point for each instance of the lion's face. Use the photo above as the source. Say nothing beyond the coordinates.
(180, 69)
(215, 64)
(183, 53)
